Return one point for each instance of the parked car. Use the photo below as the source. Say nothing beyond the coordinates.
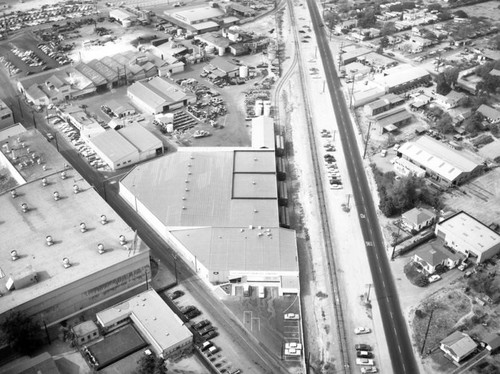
(366, 370)
(176, 294)
(188, 309)
(362, 330)
(362, 347)
(206, 330)
(434, 278)
(291, 316)
(211, 334)
(201, 324)
(461, 267)
(365, 361)
(193, 314)
(364, 354)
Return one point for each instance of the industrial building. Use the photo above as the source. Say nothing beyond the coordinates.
(123, 16)
(263, 132)
(66, 249)
(155, 321)
(6, 117)
(158, 95)
(126, 146)
(218, 208)
(393, 119)
(467, 235)
(442, 163)
(402, 77)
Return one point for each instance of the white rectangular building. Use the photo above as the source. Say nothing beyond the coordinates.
(467, 235)
(156, 322)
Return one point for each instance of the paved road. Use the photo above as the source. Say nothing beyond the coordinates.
(398, 341)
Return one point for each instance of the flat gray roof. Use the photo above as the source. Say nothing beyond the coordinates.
(140, 138)
(255, 161)
(113, 145)
(26, 233)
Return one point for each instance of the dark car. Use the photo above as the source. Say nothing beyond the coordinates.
(187, 309)
(362, 347)
(211, 334)
(201, 324)
(206, 330)
(176, 294)
(364, 354)
(192, 314)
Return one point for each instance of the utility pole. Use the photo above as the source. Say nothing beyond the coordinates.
(396, 241)
(367, 138)
(426, 332)
(368, 294)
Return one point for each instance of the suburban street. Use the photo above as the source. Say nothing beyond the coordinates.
(396, 332)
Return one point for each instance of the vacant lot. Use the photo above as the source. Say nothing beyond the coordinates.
(488, 10)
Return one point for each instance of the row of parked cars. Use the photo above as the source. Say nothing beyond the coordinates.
(364, 354)
(330, 162)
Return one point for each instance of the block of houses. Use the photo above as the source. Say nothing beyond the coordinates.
(433, 255)
(491, 115)
(465, 234)
(458, 346)
(452, 100)
(418, 219)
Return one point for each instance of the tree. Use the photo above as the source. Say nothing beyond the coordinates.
(442, 87)
(384, 42)
(461, 14)
(22, 333)
(367, 18)
(389, 28)
(444, 124)
(474, 124)
(494, 42)
(434, 6)
(149, 364)
(331, 19)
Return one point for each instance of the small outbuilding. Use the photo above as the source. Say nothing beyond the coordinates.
(85, 332)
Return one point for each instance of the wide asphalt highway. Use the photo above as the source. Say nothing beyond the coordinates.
(398, 341)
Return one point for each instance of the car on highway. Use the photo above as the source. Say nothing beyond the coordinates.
(176, 294)
(434, 278)
(336, 187)
(365, 362)
(201, 324)
(364, 354)
(362, 330)
(362, 347)
(367, 370)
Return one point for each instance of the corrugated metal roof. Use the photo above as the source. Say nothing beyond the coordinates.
(147, 94)
(91, 74)
(111, 75)
(170, 91)
(141, 138)
(394, 117)
(438, 157)
(263, 132)
(113, 145)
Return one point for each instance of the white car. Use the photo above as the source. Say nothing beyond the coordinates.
(366, 370)
(336, 187)
(362, 330)
(291, 316)
(434, 278)
(365, 361)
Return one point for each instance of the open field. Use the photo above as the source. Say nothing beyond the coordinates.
(489, 10)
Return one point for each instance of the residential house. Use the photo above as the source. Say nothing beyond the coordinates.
(492, 343)
(452, 100)
(431, 256)
(458, 346)
(418, 219)
(490, 114)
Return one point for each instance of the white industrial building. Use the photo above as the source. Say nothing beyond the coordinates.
(123, 16)
(126, 146)
(467, 235)
(218, 207)
(63, 251)
(159, 95)
(441, 162)
(155, 321)
(263, 132)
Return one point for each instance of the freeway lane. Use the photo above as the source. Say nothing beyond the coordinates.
(398, 341)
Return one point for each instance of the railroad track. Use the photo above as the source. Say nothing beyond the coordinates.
(317, 168)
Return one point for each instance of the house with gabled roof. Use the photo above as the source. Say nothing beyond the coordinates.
(433, 254)
(458, 346)
(417, 219)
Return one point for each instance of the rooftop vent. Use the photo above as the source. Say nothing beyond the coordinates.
(56, 195)
(66, 263)
(189, 165)
(24, 207)
(63, 175)
(23, 145)
(28, 150)
(104, 219)
(44, 182)
(49, 240)
(183, 198)
(122, 239)
(186, 189)
(13, 255)
(255, 211)
(13, 193)
(255, 159)
(83, 227)
(183, 208)
(100, 248)
(254, 182)
(260, 234)
(76, 189)
(44, 167)
(186, 181)
(250, 227)
(242, 230)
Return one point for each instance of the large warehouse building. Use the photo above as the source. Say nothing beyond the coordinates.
(467, 235)
(158, 95)
(62, 251)
(441, 162)
(127, 146)
(218, 207)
